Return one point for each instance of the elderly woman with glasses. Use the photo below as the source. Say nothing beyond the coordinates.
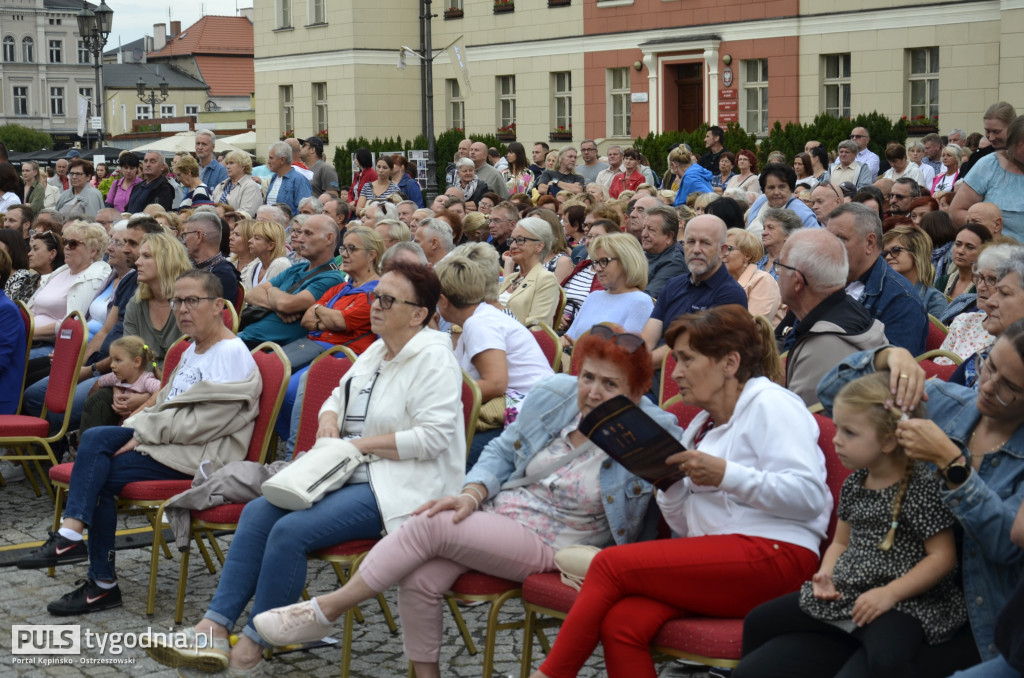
(967, 334)
(73, 286)
(908, 251)
(239, 190)
(532, 293)
(540, 487)
(400, 402)
(80, 200)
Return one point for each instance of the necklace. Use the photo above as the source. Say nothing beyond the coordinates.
(970, 443)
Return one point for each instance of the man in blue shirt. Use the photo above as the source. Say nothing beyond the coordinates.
(289, 294)
(886, 294)
(210, 171)
(287, 185)
(708, 283)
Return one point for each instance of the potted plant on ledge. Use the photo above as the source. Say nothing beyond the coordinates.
(453, 13)
(559, 3)
(504, 6)
(323, 136)
(561, 133)
(922, 124)
(507, 133)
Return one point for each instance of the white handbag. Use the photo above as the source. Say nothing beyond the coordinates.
(573, 562)
(324, 468)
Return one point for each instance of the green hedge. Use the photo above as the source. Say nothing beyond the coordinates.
(830, 131)
(655, 146)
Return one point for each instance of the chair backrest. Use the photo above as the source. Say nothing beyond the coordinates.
(230, 316)
(557, 320)
(933, 369)
(936, 333)
(239, 300)
(835, 472)
(173, 357)
(667, 388)
(324, 375)
(471, 401)
(68, 355)
(276, 370)
(549, 343)
(30, 326)
(684, 413)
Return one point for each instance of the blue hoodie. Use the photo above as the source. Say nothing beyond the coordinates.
(695, 179)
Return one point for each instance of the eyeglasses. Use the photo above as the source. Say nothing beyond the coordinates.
(387, 301)
(631, 342)
(729, 249)
(188, 302)
(792, 268)
(117, 243)
(601, 264)
(72, 244)
(858, 136)
(987, 280)
(185, 233)
(351, 249)
(895, 251)
(521, 240)
(1005, 392)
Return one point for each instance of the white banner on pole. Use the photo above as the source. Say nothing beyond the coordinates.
(83, 114)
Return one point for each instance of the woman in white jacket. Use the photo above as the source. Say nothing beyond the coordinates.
(401, 402)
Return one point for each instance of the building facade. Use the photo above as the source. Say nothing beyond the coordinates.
(612, 70)
(44, 66)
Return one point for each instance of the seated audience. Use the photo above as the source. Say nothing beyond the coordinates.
(969, 241)
(531, 294)
(762, 290)
(203, 236)
(665, 259)
(908, 250)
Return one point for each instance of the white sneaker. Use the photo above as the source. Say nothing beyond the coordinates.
(11, 472)
(296, 623)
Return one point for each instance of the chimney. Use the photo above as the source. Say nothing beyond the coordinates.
(159, 36)
(175, 28)
(249, 13)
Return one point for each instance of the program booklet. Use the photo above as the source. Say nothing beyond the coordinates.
(631, 437)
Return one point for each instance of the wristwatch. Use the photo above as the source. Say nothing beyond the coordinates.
(957, 471)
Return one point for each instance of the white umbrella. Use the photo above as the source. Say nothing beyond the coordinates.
(246, 140)
(184, 142)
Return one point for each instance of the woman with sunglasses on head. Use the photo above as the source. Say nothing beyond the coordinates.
(401, 401)
(73, 286)
(531, 294)
(908, 251)
(539, 487)
(750, 512)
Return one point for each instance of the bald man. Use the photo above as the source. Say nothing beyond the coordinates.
(988, 215)
(486, 173)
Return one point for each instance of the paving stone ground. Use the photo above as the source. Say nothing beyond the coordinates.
(376, 652)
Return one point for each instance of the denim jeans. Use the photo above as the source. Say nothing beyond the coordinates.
(36, 394)
(267, 557)
(993, 668)
(40, 351)
(287, 425)
(96, 478)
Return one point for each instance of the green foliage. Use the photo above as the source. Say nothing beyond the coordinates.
(829, 130)
(343, 154)
(21, 139)
(655, 146)
(105, 185)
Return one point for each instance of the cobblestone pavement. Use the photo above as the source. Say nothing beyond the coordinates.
(376, 652)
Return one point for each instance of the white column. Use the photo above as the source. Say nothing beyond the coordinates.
(711, 64)
(653, 100)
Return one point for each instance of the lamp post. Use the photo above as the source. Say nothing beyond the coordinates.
(94, 27)
(151, 97)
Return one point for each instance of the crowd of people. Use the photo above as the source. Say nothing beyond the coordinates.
(761, 290)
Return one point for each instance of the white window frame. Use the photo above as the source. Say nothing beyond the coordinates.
(561, 100)
(619, 108)
(282, 13)
(55, 48)
(317, 12)
(835, 84)
(286, 94)
(9, 48)
(923, 81)
(319, 95)
(456, 107)
(168, 110)
(453, 4)
(83, 53)
(505, 88)
(754, 95)
(28, 50)
(57, 102)
(20, 97)
(191, 109)
(143, 112)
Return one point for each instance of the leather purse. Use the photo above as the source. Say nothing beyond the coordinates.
(324, 468)
(573, 562)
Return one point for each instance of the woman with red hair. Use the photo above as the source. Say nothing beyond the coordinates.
(750, 512)
(539, 487)
(746, 177)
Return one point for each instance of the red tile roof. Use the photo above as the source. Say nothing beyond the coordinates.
(228, 76)
(212, 35)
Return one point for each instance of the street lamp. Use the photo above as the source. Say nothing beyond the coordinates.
(94, 27)
(151, 97)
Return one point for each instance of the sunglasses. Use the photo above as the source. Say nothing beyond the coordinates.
(72, 244)
(631, 342)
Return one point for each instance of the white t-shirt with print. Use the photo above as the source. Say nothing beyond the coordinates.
(224, 362)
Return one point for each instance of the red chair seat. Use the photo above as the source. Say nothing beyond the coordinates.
(228, 513)
(61, 473)
(18, 425)
(347, 548)
(547, 590)
(933, 369)
(705, 636)
(479, 584)
(153, 490)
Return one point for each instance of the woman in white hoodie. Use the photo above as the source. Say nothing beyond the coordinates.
(401, 401)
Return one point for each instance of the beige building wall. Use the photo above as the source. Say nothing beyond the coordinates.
(121, 103)
(1011, 54)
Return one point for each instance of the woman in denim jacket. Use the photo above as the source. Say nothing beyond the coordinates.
(539, 487)
(975, 441)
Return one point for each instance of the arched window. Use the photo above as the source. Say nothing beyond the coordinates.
(8, 48)
(28, 49)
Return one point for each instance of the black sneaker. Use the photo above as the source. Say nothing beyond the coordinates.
(85, 599)
(58, 550)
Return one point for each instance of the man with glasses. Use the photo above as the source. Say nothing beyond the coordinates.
(886, 294)
(824, 324)
(154, 189)
(635, 225)
(504, 216)
(591, 166)
(708, 283)
(289, 294)
(902, 195)
(107, 217)
(860, 136)
(201, 234)
(658, 238)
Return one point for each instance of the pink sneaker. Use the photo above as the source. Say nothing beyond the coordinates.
(296, 623)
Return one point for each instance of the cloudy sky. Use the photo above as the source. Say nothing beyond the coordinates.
(134, 18)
